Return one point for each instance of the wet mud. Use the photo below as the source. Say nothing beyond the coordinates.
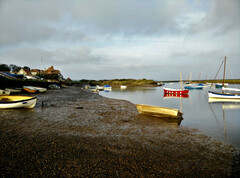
(73, 132)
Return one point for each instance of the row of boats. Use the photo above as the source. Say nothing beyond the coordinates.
(8, 101)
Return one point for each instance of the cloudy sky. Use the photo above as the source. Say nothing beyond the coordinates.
(108, 39)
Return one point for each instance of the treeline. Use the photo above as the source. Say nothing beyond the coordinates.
(118, 82)
(12, 67)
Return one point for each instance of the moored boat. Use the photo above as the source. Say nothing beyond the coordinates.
(193, 87)
(17, 102)
(158, 111)
(123, 86)
(223, 94)
(220, 85)
(175, 95)
(175, 91)
(107, 87)
(212, 94)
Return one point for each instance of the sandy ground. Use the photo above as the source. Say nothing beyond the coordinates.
(72, 132)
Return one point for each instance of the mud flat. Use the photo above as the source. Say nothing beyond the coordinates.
(73, 132)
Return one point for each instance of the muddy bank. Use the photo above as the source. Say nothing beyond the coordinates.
(72, 132)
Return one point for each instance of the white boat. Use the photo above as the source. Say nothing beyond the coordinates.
(4, 92)
(7, 102)
(100, 88)
(13, 90)
(223, 94)
(212, 94)
(123, 86)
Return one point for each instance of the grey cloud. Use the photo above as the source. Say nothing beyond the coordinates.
(222, 17)
(38, 21)
(62, 56)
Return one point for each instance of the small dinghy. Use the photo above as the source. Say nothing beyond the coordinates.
(7, 102)
(158, 111)
(30, 89)
(4, 92)
(13, 90)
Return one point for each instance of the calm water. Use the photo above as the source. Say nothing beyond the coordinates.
(221, 120)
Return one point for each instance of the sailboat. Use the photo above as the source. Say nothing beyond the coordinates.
(223, 94)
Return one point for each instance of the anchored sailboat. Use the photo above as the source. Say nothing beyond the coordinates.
(223, 94)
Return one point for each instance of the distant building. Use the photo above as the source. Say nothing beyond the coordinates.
(35, 72)
(52, 71)
(24, 72)
(68, 79)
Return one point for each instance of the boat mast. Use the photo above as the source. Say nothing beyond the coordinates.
(225, 60)
(181, 79)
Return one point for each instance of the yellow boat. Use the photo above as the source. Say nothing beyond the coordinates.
(158, 111)
(10, 101)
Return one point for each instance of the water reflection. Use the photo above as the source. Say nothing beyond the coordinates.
(199, 112)
(158, 121)
(175, 95)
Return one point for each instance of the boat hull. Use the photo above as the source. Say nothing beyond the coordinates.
(193, 88)
(11, 102)
(158, 111)
(175, 91)
(175, 95)
(223, 95)
(4, 92)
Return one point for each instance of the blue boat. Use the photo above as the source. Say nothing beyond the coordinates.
(195, 87)
(107, 87)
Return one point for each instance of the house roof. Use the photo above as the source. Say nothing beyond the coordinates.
(25, 70)
(51, 70)
(35, 70)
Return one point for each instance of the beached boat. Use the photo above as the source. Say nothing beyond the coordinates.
(40, 89)
(4, 92)
(95, 90)
(30, 89)
(54, 86)
(17, 102)
(100, 88)
(158, 111)
(37, 89)
(13, 90)
(223, 94)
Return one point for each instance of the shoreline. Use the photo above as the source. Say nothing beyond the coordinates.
(73, 132)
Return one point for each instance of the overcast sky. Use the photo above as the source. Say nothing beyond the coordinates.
(108, 39)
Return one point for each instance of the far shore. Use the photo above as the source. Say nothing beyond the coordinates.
(75, 133)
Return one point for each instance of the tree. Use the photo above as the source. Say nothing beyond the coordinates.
(4, 67)
(27, 68)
